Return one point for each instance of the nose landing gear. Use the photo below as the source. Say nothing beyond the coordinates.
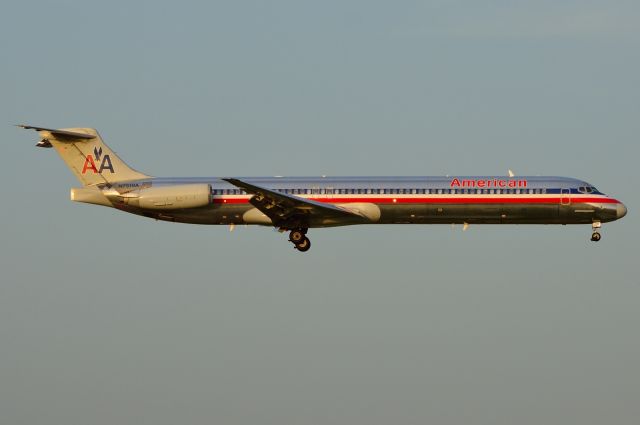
(299, 240)
(595, 236)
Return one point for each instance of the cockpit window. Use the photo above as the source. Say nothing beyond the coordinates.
(587, 189)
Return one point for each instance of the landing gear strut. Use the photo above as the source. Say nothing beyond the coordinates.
(595, 236)
(300, 240)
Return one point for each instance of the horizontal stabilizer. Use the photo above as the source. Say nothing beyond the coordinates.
(60, 133)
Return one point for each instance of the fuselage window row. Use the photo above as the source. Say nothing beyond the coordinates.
(400, 191)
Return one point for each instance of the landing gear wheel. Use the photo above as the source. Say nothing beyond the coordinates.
(304, 245)
(296, 236)
(595, 236)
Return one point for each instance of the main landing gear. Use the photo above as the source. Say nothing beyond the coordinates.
(299, 239)
(595, 236)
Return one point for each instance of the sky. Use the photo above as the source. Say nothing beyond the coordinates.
(112, 318)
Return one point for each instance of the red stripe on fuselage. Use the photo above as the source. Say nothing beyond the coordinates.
(443, 200)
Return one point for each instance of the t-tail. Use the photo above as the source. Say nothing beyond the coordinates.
(88, 157)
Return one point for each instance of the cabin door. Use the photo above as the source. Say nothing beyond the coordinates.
(565, 196)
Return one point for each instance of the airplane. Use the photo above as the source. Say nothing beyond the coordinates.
(297, 204)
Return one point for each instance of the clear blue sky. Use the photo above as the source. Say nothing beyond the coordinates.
(110, 318)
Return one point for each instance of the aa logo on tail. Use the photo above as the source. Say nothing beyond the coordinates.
(90, 162)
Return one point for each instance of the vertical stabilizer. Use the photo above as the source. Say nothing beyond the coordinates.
(88, 157)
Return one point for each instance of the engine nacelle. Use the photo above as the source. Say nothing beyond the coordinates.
(171, 197)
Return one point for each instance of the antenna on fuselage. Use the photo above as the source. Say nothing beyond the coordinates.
(511, 173)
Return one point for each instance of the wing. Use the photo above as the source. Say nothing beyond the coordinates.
(290, 211)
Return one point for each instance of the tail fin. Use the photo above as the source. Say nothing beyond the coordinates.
(90, 159)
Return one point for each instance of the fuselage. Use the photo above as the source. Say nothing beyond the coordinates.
(397, 200)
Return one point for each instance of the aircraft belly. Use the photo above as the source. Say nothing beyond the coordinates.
(470, 213)
(403, 214)
(211, 214)
(530, 213)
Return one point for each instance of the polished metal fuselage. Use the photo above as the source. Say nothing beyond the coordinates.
(404, 200)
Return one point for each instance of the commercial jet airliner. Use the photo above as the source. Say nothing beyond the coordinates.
(296, 204)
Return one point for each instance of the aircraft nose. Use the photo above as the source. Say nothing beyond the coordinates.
(621, 210)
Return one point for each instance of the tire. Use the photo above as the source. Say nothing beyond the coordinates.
(595, 237)
(304, 246)
(296, 236)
